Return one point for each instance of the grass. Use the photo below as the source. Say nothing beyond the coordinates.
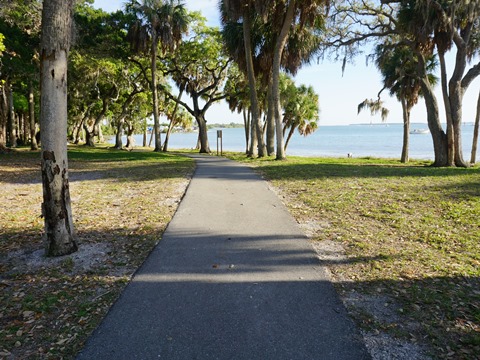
(410, 232)
(121, 204)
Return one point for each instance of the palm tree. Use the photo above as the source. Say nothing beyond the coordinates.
(232, 11)
(285, 36)
(398, 65)
(300, 107)
(55, 44)
(238, 99)
(292, 21)
(157, 22)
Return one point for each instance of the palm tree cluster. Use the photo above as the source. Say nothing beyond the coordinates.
(157, 22)
(264, 37)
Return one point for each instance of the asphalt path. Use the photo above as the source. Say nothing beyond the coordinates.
(233, 277)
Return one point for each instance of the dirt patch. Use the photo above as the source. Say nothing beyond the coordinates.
(85, 259)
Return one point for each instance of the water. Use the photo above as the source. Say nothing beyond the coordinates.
(383, 141)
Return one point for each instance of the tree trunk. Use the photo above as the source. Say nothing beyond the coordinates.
(22, 121)
(56, 32)
(31, 115)
(246, 123)
(448, 111)
(151, 138)
(290, 133)
(473, 156)
(145, 134)
(99, 132)
(277, 56)
(456, 98)
(167, 136)
(3, 117)
(202, 135)
(101, 138)
(89, 134)
(130, 139)
(438, 135)
(12, 136)
(440, 145)
(406, 131)
(270, 120)
(253, 146)
(77, 132)
(118, 135)
(258, 147)
(156, 120)
(95, 128)
(172, 123)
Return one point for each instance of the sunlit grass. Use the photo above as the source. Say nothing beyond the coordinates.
(412, 230)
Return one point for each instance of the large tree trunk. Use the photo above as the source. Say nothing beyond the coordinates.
(202, 135)
(31, 115)
(156, 120)
(257, 147)
(440, 145)
(89, 134)
(456, 98)
(439, 137)
(56, 32)
(473, 156)
(279, 46)
(406, 131)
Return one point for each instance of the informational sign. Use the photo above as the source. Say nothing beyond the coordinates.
(220, 142)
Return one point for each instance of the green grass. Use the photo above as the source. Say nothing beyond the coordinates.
(412, 229)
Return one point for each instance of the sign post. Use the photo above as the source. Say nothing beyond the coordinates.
(220, 139)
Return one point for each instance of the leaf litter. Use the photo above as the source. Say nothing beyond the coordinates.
(49, 306)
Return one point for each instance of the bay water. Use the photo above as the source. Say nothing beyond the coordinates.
(365, 140)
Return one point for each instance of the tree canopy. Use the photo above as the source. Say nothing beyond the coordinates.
(155, 50)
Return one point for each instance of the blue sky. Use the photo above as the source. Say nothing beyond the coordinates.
(339, 95)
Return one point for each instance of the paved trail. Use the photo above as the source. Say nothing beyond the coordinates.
(232, 278)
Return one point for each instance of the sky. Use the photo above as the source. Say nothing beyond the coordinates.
(339, 94)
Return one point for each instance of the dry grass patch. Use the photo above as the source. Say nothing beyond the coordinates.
(121, 204)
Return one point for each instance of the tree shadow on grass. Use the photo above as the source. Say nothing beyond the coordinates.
(99, 163)
(311, 171)
(441, 312)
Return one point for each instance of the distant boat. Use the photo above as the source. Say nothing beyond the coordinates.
(419, 131)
